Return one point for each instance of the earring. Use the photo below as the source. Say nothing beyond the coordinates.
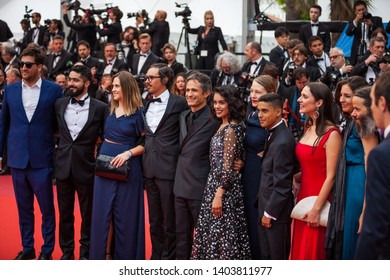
(316, 113)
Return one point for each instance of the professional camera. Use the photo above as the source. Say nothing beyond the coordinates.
(185, 13)
(375, 65)
(47, 21)
(384, 59)
(72, 5)
(367, 15)
(143, 13)
(101, 13)
(245, 84)
(27, 14)
(140, 78)
(120, 52)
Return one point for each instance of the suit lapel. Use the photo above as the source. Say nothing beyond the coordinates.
(64, 104)
(168, 110)
(271, 138)
(91, 113)
(42, 97)
(183, 126)
(203, 119)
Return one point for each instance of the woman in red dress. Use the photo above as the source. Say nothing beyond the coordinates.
(317, 152)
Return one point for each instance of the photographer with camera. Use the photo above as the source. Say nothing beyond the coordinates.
(112, 30)
(55, 27)
(84, 29)
(158, 30)
(374, 63)
(207, 42)
(227, 71)
(37, 33)
(129, 44)
(340, 69)
(361, 28)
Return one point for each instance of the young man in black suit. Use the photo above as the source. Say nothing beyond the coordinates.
(81, 121)
(196, 130)
(315, 28)
(279, 54)
(160, 158)
(37, 33)
(361, 28)
(59, 60)
(374, 239)
(275, 198)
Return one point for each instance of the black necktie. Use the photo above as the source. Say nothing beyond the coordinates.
(314, 24)
(80, 102)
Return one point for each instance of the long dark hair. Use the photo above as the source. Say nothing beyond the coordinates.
(236, 106)
(354, 82)
(325, 119)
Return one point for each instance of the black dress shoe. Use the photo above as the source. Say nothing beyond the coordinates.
(44, 257)
(25, 255)
(67, 257)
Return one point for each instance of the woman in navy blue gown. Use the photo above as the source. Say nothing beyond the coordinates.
(118, 201)
(254, 141)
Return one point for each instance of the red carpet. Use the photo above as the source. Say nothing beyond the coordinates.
(10, 242)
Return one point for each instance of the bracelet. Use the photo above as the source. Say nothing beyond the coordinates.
(130, 154)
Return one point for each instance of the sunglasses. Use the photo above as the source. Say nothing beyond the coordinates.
(27, 64)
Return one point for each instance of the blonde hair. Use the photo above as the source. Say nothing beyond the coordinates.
(131, 96)
(209, 13)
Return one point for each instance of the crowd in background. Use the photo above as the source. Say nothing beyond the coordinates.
(224, 150)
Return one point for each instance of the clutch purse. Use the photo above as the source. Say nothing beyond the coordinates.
(305, 205)
(104, 169)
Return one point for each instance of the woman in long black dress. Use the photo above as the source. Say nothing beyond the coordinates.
(255, 137)
(118, 201)
(207, 42)
(221, 231)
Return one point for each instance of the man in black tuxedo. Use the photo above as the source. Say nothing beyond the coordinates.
(196, 130)
(275, 198)
(361, 28)
(59, 60)
(227, 71)
(319, 58)
(112, 64)
(37, 33)
(160, 158)
(374, 239)
(129, 44)
(145, 58)
(279, 54)
(158, 30)
(81, 121)
(315, 28)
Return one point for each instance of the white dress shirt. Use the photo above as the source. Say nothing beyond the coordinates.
(156, 111)
(255, 68)
(76, 116)
(30, 97)
(387, 131)
(314, 29)
(142, 58)
(108, 68)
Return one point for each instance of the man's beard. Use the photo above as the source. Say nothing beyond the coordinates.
(367, 126)
(75, 93)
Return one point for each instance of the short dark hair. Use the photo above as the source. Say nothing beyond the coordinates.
(203, 79)
(382, 88)
(316, 6)
(58, 37)
(300, 72)
(135, 30)
(271, 70)
(256, 46)
(36, 52)
(84, 43)
(235, 103)
(358, 3)
(84, 71)
(117, 12)
(280, 31)
(274, 99)
(315, 38)
(164, 71)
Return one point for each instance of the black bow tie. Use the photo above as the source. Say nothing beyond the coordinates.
(319, 59)
(56, 55)
(80, 102)
(155, 100)
(315, 24)
(253, 63)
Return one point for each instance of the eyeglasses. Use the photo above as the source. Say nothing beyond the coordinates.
(150, 78)
(28, 64)
(334, 56)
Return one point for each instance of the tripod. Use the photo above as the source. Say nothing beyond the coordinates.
(186, 40)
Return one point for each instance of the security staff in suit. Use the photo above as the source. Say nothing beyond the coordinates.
(279, 54)
(81, 121)
(374, 239)
(315, 28)
(361, 28)
(27, 122)
(59, 60)
(160, 158)
(112, 64)
(158, 30)
(275, 198)
(197, 127)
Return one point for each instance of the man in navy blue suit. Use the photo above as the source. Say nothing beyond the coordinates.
(27, 123)
(374, 240)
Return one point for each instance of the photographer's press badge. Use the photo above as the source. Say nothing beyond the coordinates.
(203, 53)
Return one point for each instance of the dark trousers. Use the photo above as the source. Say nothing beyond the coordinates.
(187, 212)
(161, 203)
(66, 190)
(275, 241)
(27, 183)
